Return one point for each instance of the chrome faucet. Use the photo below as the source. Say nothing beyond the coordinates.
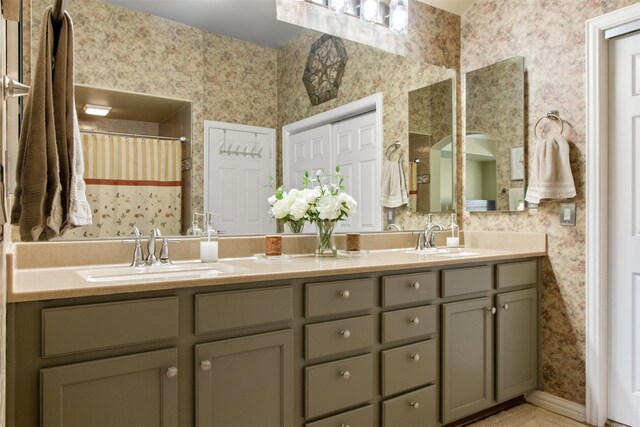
(394, 226)
(138, 260)
(426, 239)
(151, 247)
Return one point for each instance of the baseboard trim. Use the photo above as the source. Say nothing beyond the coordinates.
(558, 405)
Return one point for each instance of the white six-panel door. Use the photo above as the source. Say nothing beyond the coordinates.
(624, 237)
(238, 163)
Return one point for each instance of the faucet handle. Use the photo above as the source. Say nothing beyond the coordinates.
(164, 250)
(135, 231)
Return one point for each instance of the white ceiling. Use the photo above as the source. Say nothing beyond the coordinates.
(454, 6)
(250, 20)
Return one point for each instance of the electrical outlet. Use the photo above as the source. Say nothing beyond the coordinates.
(568, 214)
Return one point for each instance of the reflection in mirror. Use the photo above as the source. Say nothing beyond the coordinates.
(495, 169)
(225, 79)
(431, 173)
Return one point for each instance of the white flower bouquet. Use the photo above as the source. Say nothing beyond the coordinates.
(320, 202)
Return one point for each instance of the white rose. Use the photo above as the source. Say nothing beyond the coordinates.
(272, 200)
(298, 208)
(328, 207)
(281, 208)
(311, 194)
(349, 203)
(293, 194)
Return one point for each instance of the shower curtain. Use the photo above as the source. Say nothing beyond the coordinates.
(131, 181)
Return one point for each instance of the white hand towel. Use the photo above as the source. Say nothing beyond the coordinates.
(394, 193)
(551, 176)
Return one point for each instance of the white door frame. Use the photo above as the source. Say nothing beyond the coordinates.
(597, 200)
(364, 105)
(240, 128)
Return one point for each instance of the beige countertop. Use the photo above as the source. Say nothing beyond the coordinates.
(29, 282)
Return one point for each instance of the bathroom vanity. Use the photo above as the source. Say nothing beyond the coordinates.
(391, 340)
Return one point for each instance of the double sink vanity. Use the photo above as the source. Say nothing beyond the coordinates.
(399, 338)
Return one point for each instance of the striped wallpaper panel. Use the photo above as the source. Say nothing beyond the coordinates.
(125, 160)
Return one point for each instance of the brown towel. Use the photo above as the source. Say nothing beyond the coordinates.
(38, 207)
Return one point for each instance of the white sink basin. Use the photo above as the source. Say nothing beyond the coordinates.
(181, 271)
(443, 252)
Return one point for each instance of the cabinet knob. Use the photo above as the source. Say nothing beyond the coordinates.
(345, 375)
(415, 357)
(415, 285)
(205, 365)
(345, 294)
(172, 372)
(415, 320)
(415, 405)
(492, 310)
(346, 333)
(345, 425)
(506, 307)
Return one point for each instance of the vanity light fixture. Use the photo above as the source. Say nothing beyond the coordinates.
(399, 16)
(393, 14)
(96, 110)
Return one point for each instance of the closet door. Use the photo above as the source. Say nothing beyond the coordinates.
(355, 150)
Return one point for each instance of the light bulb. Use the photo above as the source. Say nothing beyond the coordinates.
(338, 6)
(399, 16)
(369, 10)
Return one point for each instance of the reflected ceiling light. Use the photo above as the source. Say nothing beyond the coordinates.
(338, 6)
(369, 10)
(399, 16)
(96, 110)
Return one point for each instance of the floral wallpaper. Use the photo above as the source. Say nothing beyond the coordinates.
(550, 35)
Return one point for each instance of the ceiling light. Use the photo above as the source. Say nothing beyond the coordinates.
(96, 110)
(399, 16)
(369, 10)
(338, 6)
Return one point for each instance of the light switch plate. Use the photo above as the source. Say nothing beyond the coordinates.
(391, 215)
(568, 214)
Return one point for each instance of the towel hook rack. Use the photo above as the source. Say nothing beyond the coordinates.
(58, 11)
(551, 115)
(393, 147)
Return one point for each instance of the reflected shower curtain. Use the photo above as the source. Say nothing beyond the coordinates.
(131, 181)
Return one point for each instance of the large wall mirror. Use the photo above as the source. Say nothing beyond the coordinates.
(432, 148)
(166, 80)
(495, 177)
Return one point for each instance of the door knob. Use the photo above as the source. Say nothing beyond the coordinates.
(346, 333)
(415, 405)
(205, 365)
(415, 320)
(345, 294)
(172, 372)
(415, 357)
(415, 285)
(492, 310)
(345, 375)
(506, 307)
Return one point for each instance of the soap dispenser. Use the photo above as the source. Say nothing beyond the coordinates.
(209, 241)
(195, 229)
(454, 240)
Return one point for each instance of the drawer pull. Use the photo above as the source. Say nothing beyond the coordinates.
(345, 375)
(415, 320)
(172, 372)
(346, 333)
(345, 294)
(415, 405)
(205, 365)
(415, 357)
(415, 285)
(492, 310)
(506, 307)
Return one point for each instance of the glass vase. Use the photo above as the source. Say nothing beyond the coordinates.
(326, 245)
(296, 227)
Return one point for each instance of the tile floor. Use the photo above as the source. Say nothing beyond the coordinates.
(527, 415)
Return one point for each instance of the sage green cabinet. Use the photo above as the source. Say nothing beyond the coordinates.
(245, 381)
(516, 343)
(139, 390)
(467, 358)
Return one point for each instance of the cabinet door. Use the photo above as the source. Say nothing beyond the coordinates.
(516, 343)
(245, 381)
(138, 391)
(467, 358)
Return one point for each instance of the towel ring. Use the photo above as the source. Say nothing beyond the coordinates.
(393, 147)
(551, 115)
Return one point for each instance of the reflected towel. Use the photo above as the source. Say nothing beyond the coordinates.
(551, 176)
(394, 191)
(516, 199)
(413, 186)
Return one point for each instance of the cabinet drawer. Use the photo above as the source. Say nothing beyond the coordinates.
(408, 367)
(466, 281)
(407, 288)
(362, 417)
(80, 328)
(517, 273)
(221, 311)
(323, 339)
(338, 297)
(336, 385)
(416, 409)
(409, 323)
